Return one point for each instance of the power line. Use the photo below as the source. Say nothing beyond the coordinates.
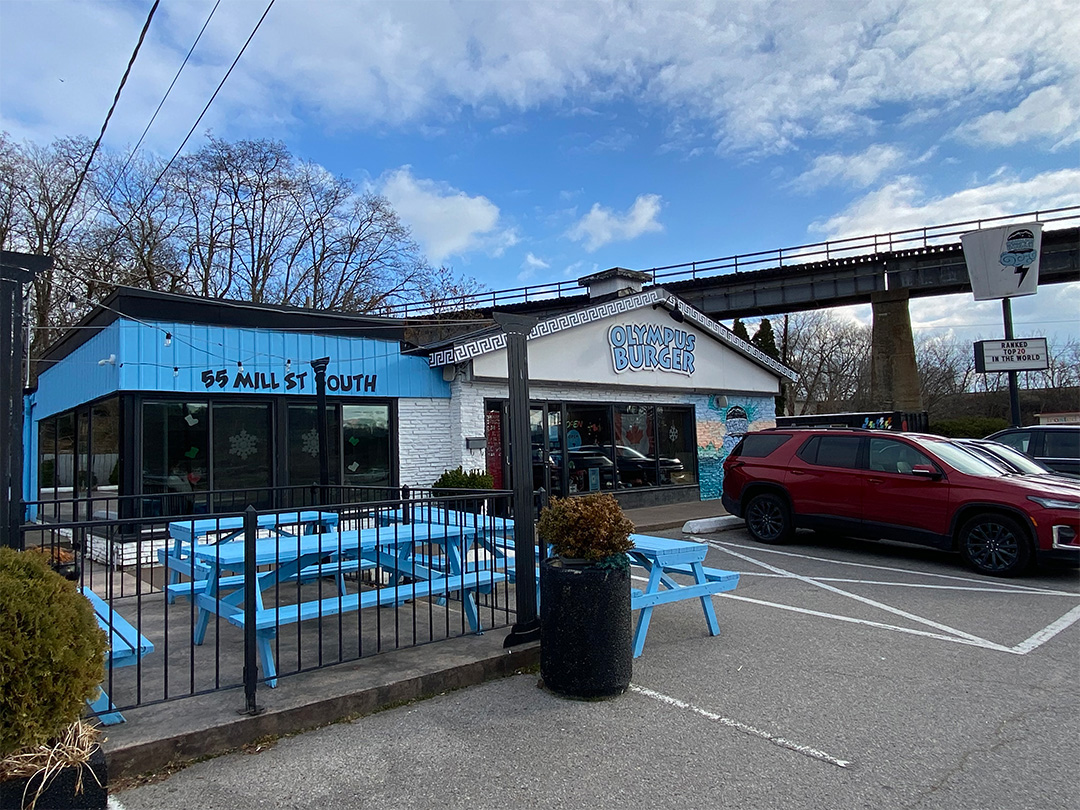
(153, 118)
(214, 96)
(108, 116)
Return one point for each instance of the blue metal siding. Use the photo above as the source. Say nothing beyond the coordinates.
(358, 366)
(78, 378)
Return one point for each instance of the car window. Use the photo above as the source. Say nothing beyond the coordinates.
(960, 459)
(837, 451)
(889, 455)
(1021, 439)
(1061, 444)
(1011, 455)
(760, 445)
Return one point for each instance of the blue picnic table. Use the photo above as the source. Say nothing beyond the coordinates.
(184, 534)
(390, 548)
(664, 558)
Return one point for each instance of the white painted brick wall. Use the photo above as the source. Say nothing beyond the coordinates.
(425, 440)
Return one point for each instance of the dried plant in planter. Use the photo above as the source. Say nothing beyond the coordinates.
(592, 527)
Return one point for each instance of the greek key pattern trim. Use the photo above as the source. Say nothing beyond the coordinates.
(490, 343)
(707, 324)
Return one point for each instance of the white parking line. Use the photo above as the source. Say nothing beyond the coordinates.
(871, 602)
(975, 581)
(805, 750)
(1048, 632)
(954, 635)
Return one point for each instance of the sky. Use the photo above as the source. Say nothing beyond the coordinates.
(533, 142)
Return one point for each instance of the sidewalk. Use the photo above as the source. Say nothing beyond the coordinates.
(158, 736)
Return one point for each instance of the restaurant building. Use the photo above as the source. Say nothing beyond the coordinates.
(633, 392)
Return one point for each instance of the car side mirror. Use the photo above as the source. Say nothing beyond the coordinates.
(926, 471)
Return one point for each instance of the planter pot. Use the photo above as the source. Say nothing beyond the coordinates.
(60, 793)
(586, 646)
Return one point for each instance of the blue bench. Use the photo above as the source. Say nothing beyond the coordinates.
(126, 647)
(337, 570)
(267, 620)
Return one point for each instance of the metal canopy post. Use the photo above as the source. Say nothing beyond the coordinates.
(16, 269)
(319, 366)
(517, 328)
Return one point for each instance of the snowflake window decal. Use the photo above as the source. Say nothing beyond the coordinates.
(673, 433)
(309, 442)
(243, 444)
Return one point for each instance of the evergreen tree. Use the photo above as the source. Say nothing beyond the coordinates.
(739, 328)
(765, 340)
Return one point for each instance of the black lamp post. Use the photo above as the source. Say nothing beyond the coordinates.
(517, 328)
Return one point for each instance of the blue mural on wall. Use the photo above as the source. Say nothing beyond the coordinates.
(726, 420)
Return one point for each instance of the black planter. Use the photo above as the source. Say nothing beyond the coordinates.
(586, 646)
(60, 793)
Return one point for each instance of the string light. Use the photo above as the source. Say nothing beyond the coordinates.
(168, 339)
(175, 371)
(288, 364)
(240, 366)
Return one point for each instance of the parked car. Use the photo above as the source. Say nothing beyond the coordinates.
(911, 487)
(1056, 446)
(1014, 462)
(635, 468)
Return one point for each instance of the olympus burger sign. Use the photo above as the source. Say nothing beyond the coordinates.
(1003, 262)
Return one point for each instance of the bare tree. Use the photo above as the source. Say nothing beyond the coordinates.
(832, 358)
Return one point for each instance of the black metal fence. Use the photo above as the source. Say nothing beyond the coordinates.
(303, 578)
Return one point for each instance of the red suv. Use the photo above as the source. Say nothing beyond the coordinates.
(899, 486)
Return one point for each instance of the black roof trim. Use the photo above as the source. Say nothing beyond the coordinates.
(149, 305)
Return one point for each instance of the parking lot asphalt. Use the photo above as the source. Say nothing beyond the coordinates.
(848, 674)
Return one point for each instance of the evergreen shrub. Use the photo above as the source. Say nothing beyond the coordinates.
(968, 427)
(52, 652)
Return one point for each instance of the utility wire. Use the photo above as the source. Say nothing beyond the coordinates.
(211, 101)
(153, 118)
(108, 116)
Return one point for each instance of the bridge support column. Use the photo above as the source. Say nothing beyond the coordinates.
(894, 376)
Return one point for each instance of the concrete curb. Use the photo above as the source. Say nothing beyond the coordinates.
(234, 730)
(709, 525)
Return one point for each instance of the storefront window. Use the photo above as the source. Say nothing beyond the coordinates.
(242, 451)
(175, 454)
(677, 441)
(635, 446)
(46, 458)
(302, 444)
(366, 445)
(589, 450)
(65, 453)
(83, 476)
(105, 445)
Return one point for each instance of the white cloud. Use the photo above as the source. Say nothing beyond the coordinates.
(446, 222)
(754, 77)
(858, 171)
(530, 265)
(904, 203)
(602, 226)
(1049, 113)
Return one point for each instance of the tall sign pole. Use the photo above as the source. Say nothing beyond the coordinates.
(16, 270)
(1004, 263)
(517, 328)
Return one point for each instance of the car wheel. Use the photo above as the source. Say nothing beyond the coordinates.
(996, 545)
(767, 519)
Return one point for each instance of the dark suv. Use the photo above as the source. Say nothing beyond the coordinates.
(899, 486)
(1056, 446)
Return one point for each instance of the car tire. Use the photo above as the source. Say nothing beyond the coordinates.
(996, 545)
(768, 519)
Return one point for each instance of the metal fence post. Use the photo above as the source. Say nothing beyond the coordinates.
(251, 672)
(406, 507)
